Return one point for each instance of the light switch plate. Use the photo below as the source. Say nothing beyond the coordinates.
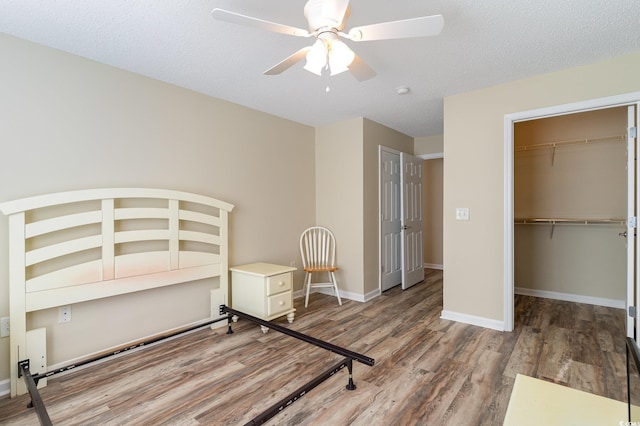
(4, 327)
(462, 213)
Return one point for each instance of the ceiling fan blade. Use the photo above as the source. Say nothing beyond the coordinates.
(361, 70)
(236, 18)
(406, 28)
(287, 63)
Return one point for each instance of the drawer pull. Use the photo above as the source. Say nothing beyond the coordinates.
(281, 303)
(281, 283)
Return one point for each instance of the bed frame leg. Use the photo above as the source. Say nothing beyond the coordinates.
(350, 386)
(229, 320)
(32, 386)
(221, 311)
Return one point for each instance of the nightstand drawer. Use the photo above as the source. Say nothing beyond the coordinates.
(278, 303)
(278, 283)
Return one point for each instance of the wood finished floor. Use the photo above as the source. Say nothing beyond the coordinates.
(428, 371)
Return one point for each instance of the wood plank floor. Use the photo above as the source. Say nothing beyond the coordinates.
(428, 371)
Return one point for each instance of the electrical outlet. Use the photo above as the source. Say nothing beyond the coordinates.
(64, 314)
(4, 327)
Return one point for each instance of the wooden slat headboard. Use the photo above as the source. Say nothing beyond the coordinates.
(77, 246)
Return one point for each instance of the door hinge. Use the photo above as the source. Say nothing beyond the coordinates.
(632, 222)
(632, 311)
(633, 132)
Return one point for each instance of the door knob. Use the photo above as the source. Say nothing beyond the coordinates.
(623, 234)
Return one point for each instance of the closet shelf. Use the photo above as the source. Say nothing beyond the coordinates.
(568, 221)
(615, 138)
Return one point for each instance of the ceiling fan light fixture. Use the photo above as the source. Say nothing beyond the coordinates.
(316, 58)
(340, 57)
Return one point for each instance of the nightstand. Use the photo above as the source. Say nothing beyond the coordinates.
(263, 290)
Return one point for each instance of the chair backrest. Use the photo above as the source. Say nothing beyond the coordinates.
(317, 247)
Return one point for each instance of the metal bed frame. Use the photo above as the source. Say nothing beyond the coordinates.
(37, 403)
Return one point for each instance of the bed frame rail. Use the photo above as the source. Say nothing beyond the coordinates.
(230, 315)
(349, 355)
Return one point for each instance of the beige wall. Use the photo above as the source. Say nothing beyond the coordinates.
(71, 123)
(474, 176)
(339, 197)
(347, 197)
(432, 197)
(428, 145)
(432, 185)
(375, 135)
(573, 181)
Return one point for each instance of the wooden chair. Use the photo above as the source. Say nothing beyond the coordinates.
(318, 250)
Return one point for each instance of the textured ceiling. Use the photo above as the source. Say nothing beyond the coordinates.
(483, 43)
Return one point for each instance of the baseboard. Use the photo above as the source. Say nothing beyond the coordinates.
(473, 320)
(343, 294)
(434, 266)
(568, 297)
(372, 295)
(5, 387)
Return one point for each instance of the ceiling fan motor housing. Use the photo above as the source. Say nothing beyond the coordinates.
(321, 14)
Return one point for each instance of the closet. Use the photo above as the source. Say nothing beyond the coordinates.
(432, 199)
(570, 197)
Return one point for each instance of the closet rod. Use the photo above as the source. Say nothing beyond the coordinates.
(615, 138)
(555, 221)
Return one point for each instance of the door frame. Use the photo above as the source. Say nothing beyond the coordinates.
(509, 121)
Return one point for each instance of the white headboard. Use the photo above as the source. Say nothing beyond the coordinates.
(72, 247)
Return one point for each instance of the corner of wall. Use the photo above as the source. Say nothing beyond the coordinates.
(428, 145)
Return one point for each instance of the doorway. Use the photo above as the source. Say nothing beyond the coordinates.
(509, 123)
(433, 186)
(570, 204)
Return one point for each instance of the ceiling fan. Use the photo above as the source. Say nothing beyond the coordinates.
(327, 19)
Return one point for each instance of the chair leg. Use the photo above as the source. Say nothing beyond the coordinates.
(335, 287)
(307, 283)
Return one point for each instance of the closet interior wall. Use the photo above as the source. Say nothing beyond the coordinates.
(432, 199)
(571, 167)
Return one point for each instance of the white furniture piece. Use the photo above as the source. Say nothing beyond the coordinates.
(318, 251)
(263, 290)
(192, 229)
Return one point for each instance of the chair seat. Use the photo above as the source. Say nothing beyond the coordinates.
(321, 269)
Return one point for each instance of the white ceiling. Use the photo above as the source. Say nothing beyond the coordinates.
(483, 43)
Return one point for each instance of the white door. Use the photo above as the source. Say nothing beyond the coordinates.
(632, 214)
(411, 213)
(390, 256)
